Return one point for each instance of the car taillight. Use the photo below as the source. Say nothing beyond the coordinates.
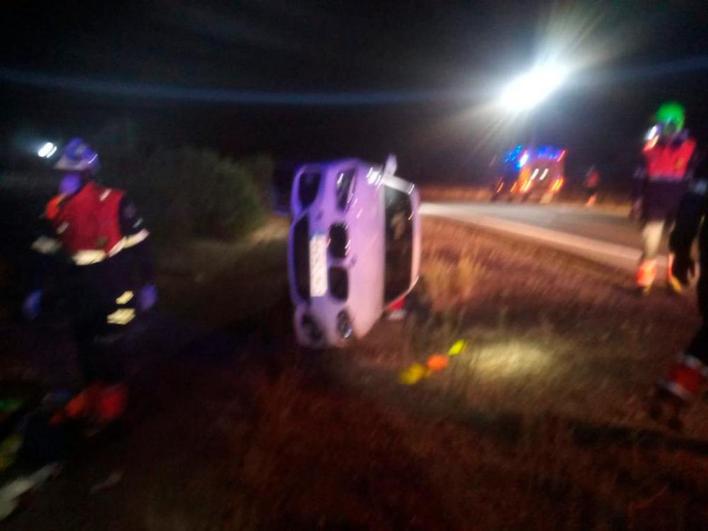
(338, 240)
(338, 283)
(345, 188)
(308, 188)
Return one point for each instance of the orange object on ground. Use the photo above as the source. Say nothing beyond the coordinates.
(437, 362)
(413, 374)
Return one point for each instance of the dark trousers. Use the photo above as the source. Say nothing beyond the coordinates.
(101, 350)
(698, 346)
(95, 293)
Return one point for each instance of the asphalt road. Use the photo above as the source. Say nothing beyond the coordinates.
(604, 236)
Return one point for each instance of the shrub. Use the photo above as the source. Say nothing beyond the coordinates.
(262, 167)
(195, 192)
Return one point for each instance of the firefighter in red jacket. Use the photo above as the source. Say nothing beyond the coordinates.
(96, 239)
(659, 184)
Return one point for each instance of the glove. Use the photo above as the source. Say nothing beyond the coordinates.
(147, 297)
(635, 212)
(32, 305)
(683, 268)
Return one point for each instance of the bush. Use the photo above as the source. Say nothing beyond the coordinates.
(262, 167)
(189, 192)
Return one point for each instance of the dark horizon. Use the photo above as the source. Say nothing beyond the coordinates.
(416, 64)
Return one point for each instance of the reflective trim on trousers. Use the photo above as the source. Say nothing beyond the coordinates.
(125, 298)
(121, 317)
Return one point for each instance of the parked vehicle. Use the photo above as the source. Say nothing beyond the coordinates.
(530, 173)
(353, 249)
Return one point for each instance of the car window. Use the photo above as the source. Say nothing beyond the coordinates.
(399, 244)
(308, 188)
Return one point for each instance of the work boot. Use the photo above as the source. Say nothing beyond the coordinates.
(111, 403)
(83, 405)
(673, 285)
(646, 274)
(643, 291)
(96, 407)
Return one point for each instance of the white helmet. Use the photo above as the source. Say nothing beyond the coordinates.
(78, 156)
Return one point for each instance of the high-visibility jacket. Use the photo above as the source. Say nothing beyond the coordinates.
(98, 233)
(87, 225)
(662, 178)
(666, 161)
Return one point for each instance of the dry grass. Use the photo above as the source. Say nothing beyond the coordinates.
(537, 425)
(455, 193)
(578, 325)
(452, 282)
(560, 361)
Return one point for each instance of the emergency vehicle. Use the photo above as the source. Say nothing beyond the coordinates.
(353, 249)
(529, 173)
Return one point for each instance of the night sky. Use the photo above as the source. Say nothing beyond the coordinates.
(351, 78)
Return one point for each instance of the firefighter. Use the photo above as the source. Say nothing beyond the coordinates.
(687, 374)
(591, 184)
(659, 184)
(96, 242)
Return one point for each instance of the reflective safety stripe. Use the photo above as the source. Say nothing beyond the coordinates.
(125, 298)
(121, 317)
(89, 257)
(94, 256)
(46, 245)
(135, 239)
(118, 247)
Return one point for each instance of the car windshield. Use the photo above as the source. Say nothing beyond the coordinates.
(399, 244)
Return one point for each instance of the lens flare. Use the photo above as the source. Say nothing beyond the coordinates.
(531, 88)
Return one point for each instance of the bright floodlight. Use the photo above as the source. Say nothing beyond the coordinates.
(47, 150)
(531, 88)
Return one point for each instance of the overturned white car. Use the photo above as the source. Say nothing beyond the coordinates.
(353, 249)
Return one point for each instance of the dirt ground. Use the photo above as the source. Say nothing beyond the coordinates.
(536, 424)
